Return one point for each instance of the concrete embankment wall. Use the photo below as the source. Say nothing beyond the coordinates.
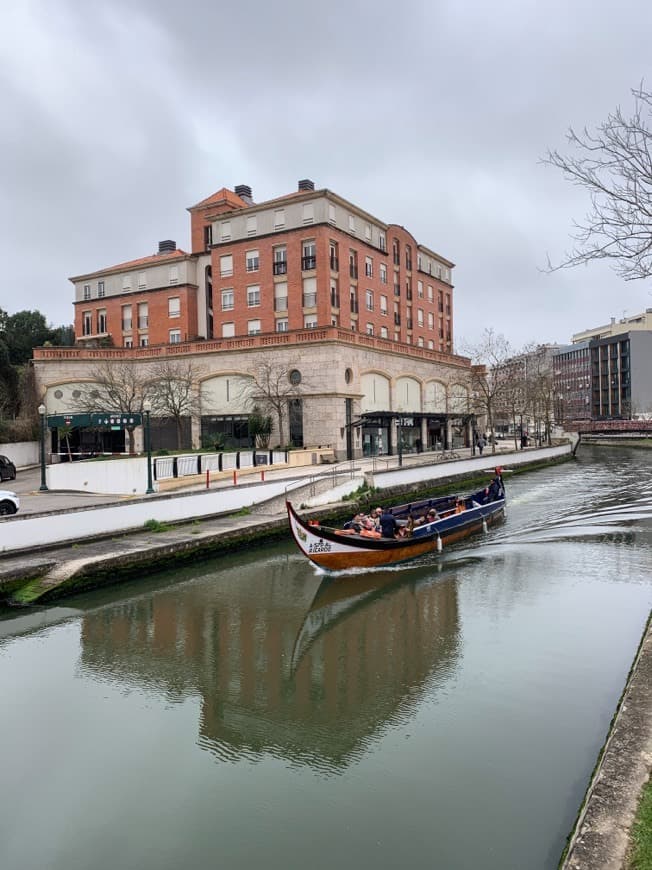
(22, 453)
(36, 530)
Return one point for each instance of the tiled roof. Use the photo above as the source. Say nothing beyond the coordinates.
(152, 260)
(222, 195)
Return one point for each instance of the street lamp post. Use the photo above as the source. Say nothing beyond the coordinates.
(41, 410)
(147, 408)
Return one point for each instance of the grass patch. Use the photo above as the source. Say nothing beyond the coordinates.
(155, 526)
(640, 856)
(243, 512)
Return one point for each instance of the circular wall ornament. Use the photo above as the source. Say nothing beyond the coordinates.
(295, 377)
(58, 394)
(76, 394)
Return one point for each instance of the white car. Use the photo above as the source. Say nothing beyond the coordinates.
(9, 502)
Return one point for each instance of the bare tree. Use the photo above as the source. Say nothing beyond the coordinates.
(116, 387)
(173, 389)
(490, 376)
(270, 391)
(614, 164)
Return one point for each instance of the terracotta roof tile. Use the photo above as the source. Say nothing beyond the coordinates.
(222, 195)
(152, 260)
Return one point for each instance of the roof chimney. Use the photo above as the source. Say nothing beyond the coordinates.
(167, 246)
(244, 192)
(306, 184)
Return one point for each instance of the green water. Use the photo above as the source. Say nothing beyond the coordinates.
(253, 712)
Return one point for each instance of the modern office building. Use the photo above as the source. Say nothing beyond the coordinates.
(621, 381)
(572, 382)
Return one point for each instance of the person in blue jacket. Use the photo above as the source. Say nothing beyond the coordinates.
(388, 524)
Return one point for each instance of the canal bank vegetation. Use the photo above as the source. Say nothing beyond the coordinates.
(640, 851)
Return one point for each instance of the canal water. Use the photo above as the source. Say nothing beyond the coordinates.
(252, 712)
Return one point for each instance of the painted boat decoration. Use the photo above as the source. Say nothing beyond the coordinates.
(342, 549)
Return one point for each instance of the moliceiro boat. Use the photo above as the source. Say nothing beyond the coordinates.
(423, 527)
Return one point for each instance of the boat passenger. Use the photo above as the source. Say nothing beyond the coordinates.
(388, 524)
(431, 516)
(406, 530)
(460, 507)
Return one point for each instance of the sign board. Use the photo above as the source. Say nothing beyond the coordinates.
(67, 421)
(106, 419)
(115, 421)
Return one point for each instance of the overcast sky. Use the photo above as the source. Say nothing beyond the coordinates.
(118, 115)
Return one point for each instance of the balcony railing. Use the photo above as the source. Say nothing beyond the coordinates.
(335, 299)
(308, 263)
(309, 300)
(280, 267)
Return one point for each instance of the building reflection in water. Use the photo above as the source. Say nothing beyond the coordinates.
(284, 662)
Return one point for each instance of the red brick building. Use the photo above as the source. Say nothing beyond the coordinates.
(309, 259)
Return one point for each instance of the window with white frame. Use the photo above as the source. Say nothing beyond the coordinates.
(369, 267)
(352, 224)
(309, 321)
(252, 261)
(226, 265)
(228, 330)
(142, 280)
(143, 341)
(175, 336)
(128, 342)
(282, 324)
(431, 344)
(383, 332)
(420, 316)
(227, 299)
(420, 341)
(87, 291)
(383, 273)
(126, 282)
(225, 231)
(431, 320)
(369, 299)
(420, 289)
(383, 305)
(382, 241)
(354, 326)
(174, 306)
(173, 274)
(309, 292)
(252, 225)
(253, 295)
(309, 255)
(101, 321)
(280, 262)
(281, 296)
(367, 231)
(126, 318)
(370, 329)
(143, 315)
(279, 219)
(430, 296)
(253, 327)
(100, 289)
(308, 212)
(87, 322)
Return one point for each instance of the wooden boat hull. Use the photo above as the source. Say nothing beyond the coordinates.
(339, 552)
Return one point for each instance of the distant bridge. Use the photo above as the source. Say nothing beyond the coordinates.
(612, 427)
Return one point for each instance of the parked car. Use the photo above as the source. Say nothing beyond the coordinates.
(7, 469)
(9, 502)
